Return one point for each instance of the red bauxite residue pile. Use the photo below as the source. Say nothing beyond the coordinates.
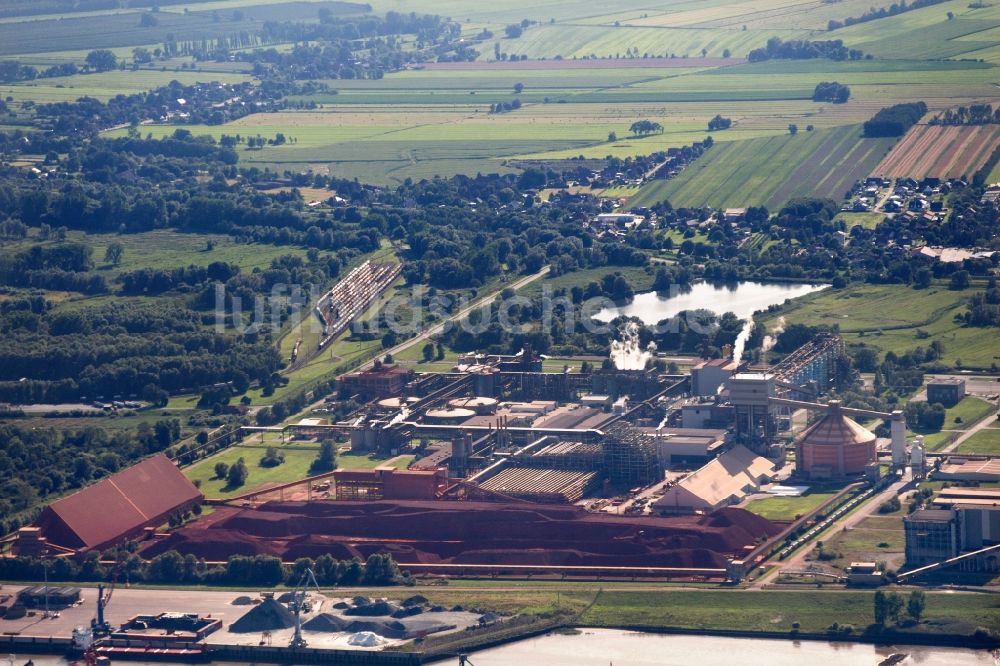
(434, 532)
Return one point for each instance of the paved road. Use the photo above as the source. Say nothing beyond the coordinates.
(428, 333)
(438, 328)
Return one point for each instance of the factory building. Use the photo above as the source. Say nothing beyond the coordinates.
(119, 507)
(391, 484)
(968, 469)
(931, 536)
(708, 376)
(547, 486)
(946, 390)
(686, 446)
(381, 381)
(705, 413)
(722, 482)
(835, 447)
(961, 520)
(979, 514)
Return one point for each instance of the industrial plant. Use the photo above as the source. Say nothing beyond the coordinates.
(610, 472)
(496, 468)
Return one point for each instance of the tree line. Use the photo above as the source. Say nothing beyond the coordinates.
(174, 568)
(895, 120)
(882, 12)
(803, 49)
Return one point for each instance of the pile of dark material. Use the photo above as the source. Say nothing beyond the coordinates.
(379, 617)
(431, 532)
(269, 615)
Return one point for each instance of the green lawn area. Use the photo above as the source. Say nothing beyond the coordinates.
(641, 279)
(787, 508)
(970, 410)
(769, 610)
(898, 318)
(984, 441)
(296, 466)
(875, 538)
(866, 220)
(358, 461)
(937, 440)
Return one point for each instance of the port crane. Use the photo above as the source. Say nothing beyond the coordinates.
(298, 604)
(99, 625)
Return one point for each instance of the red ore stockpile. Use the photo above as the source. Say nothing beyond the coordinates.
(441, 532)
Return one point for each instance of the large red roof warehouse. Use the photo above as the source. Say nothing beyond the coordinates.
(119, 506)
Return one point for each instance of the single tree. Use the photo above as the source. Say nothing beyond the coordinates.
(793, 129)
(428, 352)
(880, 607)
(113, 253)
(894, 606)
(221, 470)
(960, 280)
(272, 457)
(326, 459)
(101, 60)
(238, 474)
(915, 604)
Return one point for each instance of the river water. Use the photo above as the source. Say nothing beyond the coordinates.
(604, 647)
(740, 298)
(614, 647)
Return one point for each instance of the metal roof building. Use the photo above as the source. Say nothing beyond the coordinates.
(723, 481)
(119, 507)
(835, 447)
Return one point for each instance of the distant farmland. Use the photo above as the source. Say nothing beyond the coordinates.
(939, 151)
(770, 171)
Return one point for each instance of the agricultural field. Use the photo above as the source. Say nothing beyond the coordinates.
(811, 15)
(105, 85)
(940, 151)
(124, 29)
(928, 33)
(434, 120)
(770, 171)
